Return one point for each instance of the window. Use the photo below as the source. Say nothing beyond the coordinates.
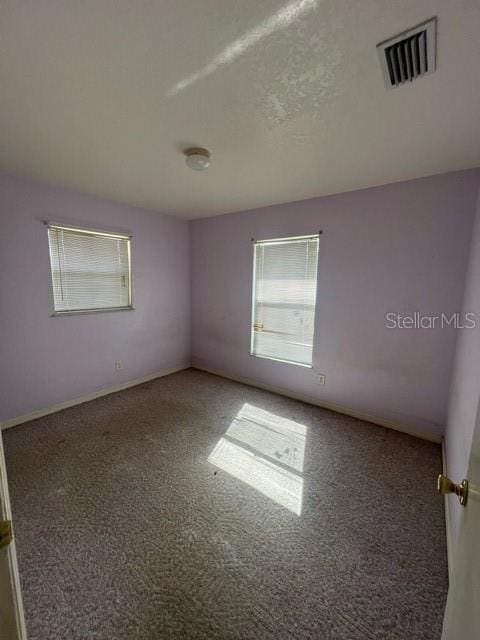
(284, 295)
(90, 270)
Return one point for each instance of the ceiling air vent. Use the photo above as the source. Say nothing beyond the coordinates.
(408, 55)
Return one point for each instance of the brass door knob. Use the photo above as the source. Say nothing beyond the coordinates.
(445, 485)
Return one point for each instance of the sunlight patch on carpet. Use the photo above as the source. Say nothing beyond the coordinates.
(266, 452)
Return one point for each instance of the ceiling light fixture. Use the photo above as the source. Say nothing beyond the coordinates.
(197, 158)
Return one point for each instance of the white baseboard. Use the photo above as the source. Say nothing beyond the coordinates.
(39, 413)
(448, 524)
(382, 422)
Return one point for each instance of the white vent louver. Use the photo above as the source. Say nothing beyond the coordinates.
(408, 55)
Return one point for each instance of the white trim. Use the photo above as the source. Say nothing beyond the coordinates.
(254, 287)
(448, 520)
(39, 413)
(20, 632)
(378, 420)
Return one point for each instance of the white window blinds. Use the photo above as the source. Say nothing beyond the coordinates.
(284, 296)
(90, 270)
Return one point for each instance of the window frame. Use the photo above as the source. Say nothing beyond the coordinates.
(95, 232)
(282, 240)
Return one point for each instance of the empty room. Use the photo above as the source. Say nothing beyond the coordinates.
(239, 320)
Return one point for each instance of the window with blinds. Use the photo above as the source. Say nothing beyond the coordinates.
(90, 270)
(284, 296)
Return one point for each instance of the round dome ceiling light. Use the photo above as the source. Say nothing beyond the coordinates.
(197, 158)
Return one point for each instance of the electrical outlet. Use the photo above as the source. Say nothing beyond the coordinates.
(118, 365)
(321, 378)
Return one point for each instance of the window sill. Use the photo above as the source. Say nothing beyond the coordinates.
(83, 312)
(297, 364)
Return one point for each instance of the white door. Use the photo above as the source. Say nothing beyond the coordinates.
(12, 624)
(462, 614)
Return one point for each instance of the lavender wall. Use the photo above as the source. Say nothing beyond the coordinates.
(465, 387)
(45, 360)
(398, 248)
(401, 247)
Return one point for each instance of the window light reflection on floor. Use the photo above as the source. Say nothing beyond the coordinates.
(266, 452)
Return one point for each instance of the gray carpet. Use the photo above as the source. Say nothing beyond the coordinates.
(303, 523)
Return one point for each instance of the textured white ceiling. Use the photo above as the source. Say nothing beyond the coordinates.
(103, 95)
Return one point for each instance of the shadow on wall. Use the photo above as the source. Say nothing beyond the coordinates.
(266, 452)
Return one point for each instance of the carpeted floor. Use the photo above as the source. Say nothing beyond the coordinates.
(138, 516)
